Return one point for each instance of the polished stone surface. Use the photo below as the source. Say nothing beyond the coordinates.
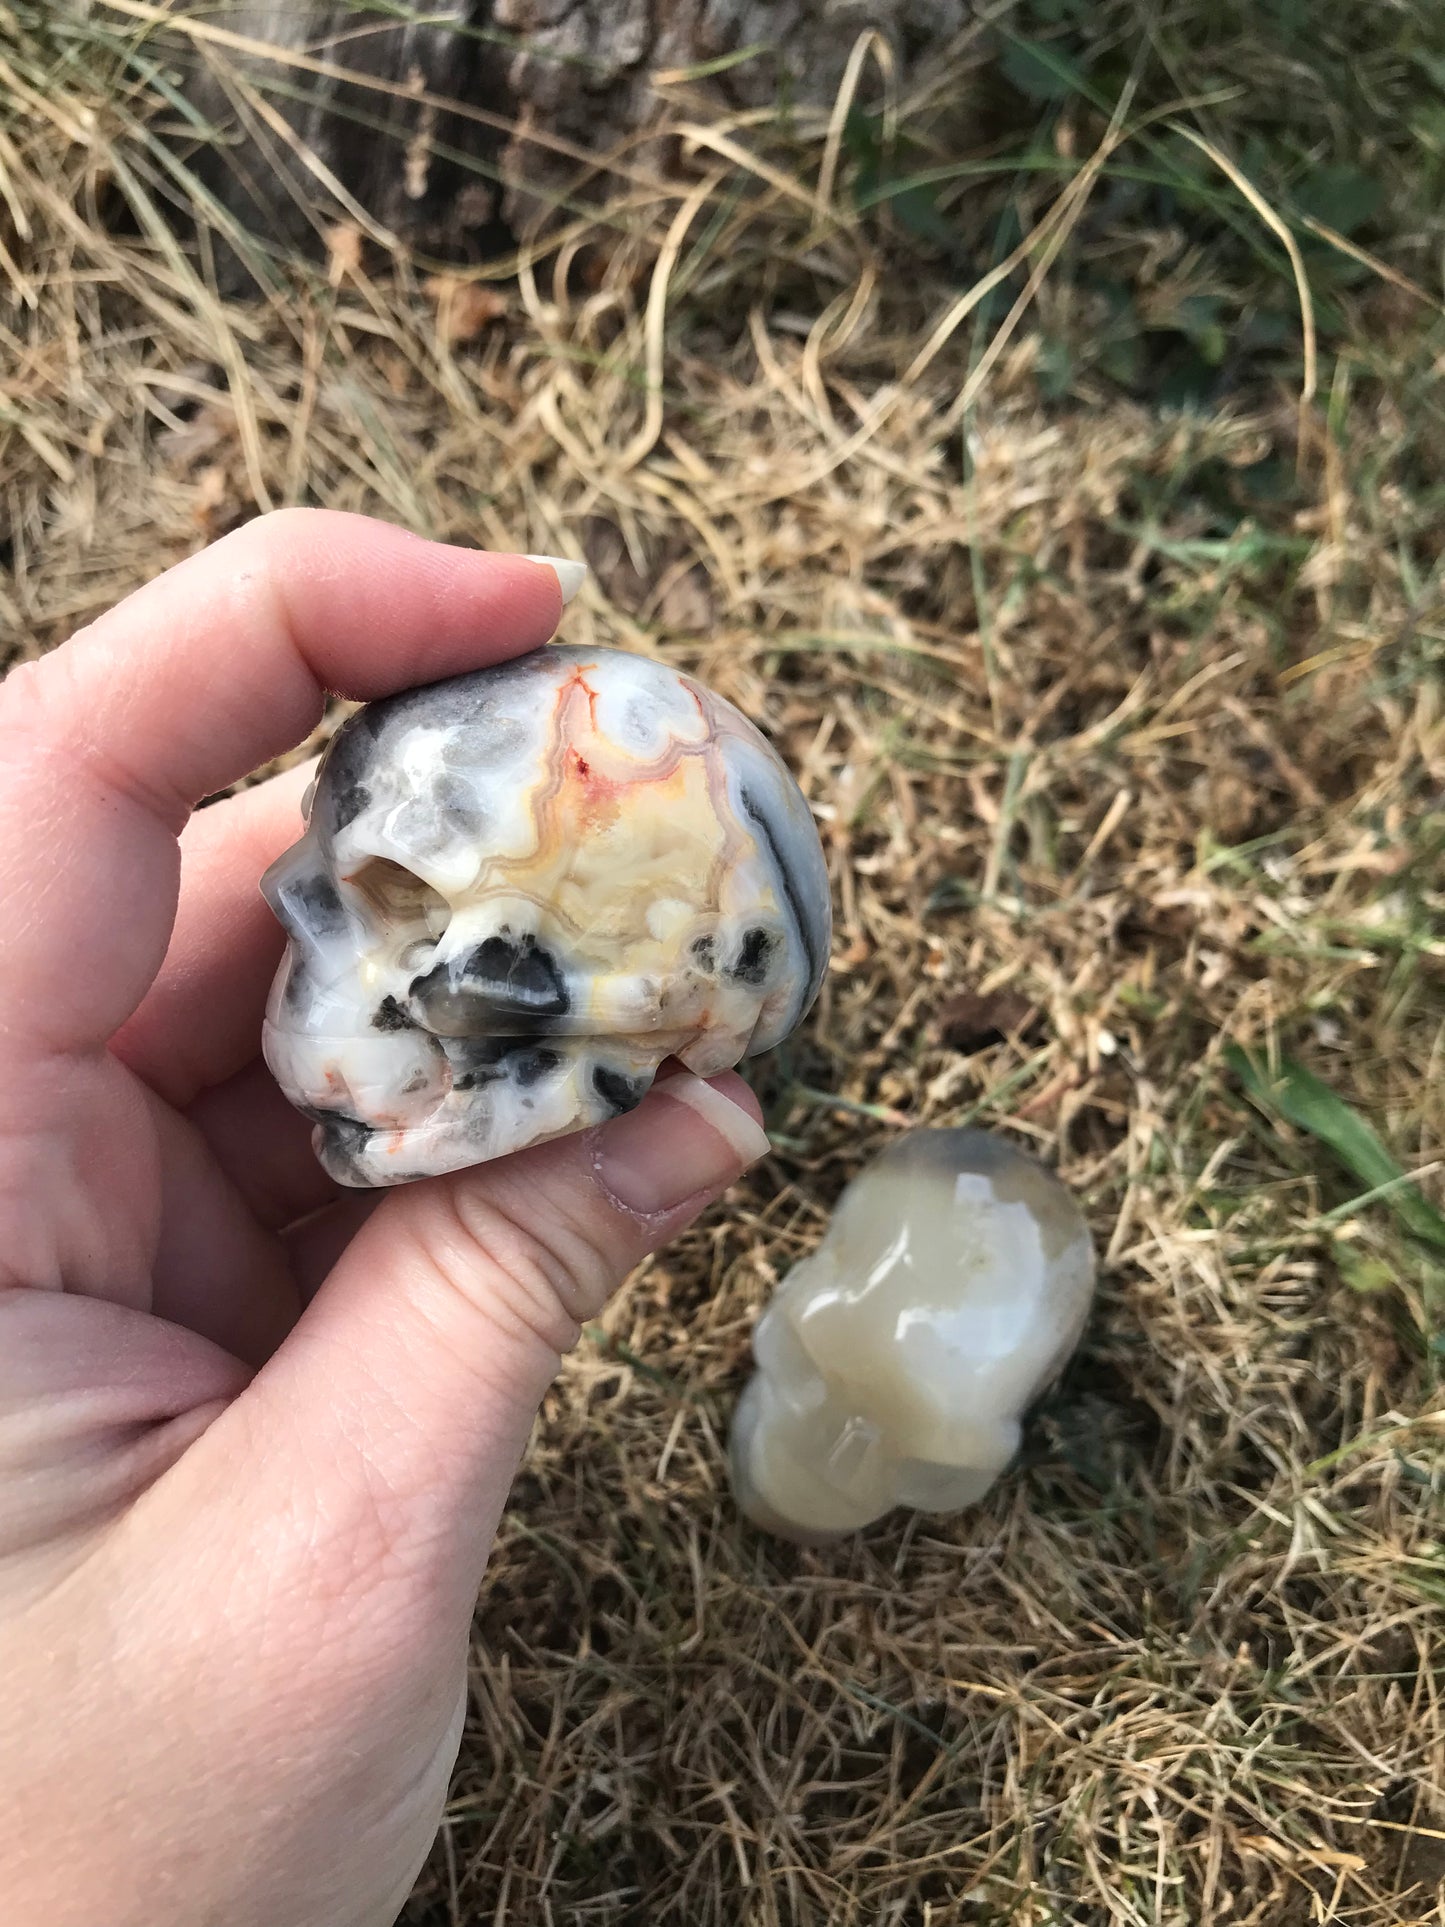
(896, 1363)
(518, 891)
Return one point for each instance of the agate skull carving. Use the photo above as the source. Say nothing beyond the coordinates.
(518, 891)
(895, 1364)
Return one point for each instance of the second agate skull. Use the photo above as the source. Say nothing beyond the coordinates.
(894, 1365)
(519, 891)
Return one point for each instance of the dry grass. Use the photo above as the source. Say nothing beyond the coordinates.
(1124, 730)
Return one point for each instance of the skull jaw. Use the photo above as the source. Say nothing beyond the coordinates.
(809, 1470)
(387, 1114)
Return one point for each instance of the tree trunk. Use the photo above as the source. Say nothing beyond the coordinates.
(541, 85)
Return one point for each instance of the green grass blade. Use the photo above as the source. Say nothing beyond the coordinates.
(1308, 1103)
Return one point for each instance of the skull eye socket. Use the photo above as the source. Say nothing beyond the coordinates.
(407, 904)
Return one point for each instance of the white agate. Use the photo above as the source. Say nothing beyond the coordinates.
(895, 1365)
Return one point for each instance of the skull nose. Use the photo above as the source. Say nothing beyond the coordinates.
(502, 984)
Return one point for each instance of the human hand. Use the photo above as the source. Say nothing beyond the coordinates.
(255, 1433)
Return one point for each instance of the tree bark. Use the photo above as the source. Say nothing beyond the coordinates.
(540, 82)
(299, 147)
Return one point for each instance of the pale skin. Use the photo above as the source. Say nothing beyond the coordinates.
(255, 1433)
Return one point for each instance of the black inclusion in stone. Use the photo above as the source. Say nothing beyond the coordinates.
(519, 971)
(467, 702)
(299, 986)
(389, 1015)
(341, 781)
(531, 1065)
(750, 966)
(348, 800)
(345, 1137)
(704, 953)
(618, 1091)
(756, 814)
(501, 984)
(311, 906)
(478, 1061)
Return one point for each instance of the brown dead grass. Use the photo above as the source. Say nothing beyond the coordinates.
(1103, 789)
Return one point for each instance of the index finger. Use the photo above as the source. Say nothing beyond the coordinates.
(215, 667)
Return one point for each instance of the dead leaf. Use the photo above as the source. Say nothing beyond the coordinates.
(343, 252)
(967, 1021)
(464, 308)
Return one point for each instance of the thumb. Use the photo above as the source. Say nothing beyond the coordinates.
(414, 1376)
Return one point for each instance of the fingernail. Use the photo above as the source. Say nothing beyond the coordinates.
(687, 1136)
(570, 575)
